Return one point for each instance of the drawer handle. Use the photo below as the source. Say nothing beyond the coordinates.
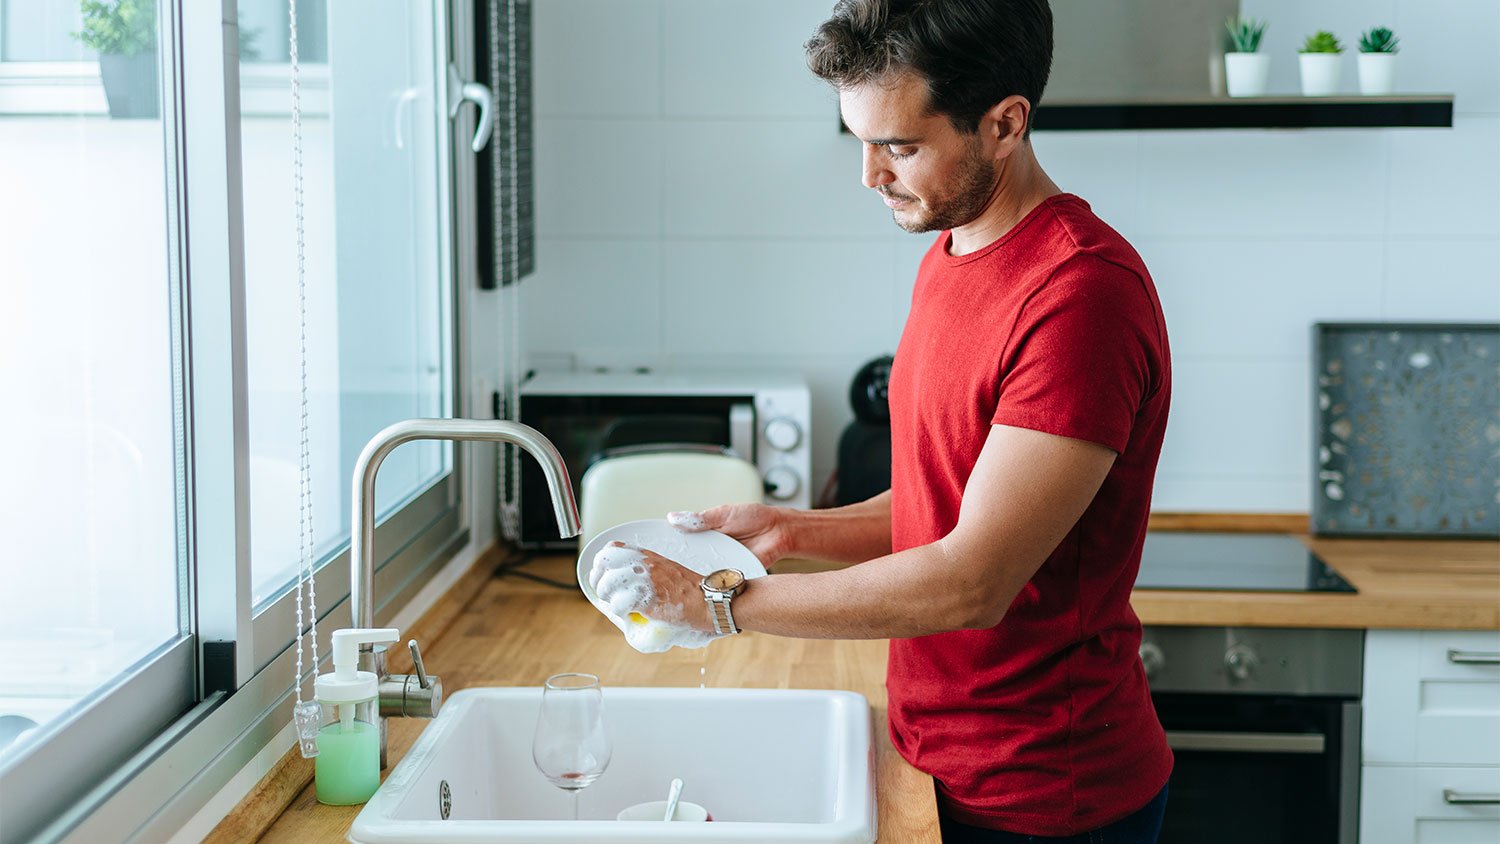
(1458, 657)
(1459, 798)
(1246, 742)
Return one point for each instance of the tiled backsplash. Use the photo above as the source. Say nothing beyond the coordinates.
(697, 207)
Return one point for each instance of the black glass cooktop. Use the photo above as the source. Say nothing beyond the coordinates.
(1248, 562)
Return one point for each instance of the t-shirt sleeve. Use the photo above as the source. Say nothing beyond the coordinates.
(1079, 362)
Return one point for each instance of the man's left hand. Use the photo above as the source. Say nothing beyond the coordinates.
(675, 595)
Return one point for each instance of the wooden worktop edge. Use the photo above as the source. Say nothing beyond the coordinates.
(255, 814)
(1230, 522)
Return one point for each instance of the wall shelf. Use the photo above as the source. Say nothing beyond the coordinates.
(1290, 112)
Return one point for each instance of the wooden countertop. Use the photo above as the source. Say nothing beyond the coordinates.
(512, 634)
(1401, 583)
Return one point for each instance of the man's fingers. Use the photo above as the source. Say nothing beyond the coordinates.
(689, 522)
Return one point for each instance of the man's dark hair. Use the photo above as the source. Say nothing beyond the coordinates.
(971, 53)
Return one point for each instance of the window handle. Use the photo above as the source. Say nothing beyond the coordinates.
(461, 91)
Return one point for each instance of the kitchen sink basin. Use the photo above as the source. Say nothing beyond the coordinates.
(783, 765)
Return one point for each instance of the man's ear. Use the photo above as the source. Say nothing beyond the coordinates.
(1005, 123)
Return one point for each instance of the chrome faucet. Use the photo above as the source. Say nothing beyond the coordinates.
(420, 695)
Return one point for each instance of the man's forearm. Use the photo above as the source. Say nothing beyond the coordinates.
(929, 589)
(850, 534)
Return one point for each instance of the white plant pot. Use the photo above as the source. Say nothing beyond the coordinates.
(1377, 73)
(1320, 73)
(1245, 74)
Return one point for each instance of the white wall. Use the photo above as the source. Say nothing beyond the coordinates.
(698, 208)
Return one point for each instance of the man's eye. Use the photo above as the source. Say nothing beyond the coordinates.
(901, 152)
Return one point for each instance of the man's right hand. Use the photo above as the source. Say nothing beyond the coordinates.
(766, 531)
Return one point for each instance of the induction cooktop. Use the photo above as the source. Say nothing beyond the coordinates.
(1249, 562)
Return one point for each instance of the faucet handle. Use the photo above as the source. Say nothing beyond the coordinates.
(416, 661)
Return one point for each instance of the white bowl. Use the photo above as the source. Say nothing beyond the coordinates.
(654, 811)
(703, 552)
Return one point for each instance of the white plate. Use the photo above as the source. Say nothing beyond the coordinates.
(703, 552)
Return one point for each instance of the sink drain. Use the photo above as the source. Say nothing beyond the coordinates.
(445, 799)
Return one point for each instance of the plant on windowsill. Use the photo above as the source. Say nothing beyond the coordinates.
(1245, 69)
(1377, 61)
(1319, 62)
(123, 33)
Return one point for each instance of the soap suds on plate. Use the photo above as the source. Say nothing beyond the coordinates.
(685, 520)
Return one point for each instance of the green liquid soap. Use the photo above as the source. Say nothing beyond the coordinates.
(347, 767)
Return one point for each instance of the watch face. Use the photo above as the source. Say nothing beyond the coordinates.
(725, 580)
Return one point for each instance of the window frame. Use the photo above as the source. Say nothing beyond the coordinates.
(151, 748)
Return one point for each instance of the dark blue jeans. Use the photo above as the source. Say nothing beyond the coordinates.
(1139, 828)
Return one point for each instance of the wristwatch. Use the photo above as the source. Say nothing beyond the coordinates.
(719, 588)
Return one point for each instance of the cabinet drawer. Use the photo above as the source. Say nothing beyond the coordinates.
(1403, 805)
(1431, 698)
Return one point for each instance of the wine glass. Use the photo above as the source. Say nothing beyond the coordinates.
(571, 747)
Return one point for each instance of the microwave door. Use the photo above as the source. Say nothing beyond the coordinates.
(742, 430)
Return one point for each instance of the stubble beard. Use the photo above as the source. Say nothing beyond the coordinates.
(976, 183)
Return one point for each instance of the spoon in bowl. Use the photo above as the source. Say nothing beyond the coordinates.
(673, 795)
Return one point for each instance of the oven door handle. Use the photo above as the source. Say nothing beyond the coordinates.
(1247, 742)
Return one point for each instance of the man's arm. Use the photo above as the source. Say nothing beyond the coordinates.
(1027, 491)
(850, 534)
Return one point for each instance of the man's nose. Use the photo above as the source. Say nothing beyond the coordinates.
(875, 174)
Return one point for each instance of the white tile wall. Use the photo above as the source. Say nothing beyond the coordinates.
(787, 298)
(777, 179)
(1446, 183)
(1256, 298)
(687, 160)
(709, 44)
(596, 58)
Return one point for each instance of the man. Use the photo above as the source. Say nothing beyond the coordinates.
(1028, 403)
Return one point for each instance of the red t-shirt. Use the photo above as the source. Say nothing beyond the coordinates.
(1043, 724)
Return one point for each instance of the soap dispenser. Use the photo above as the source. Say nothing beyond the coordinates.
(347, 767)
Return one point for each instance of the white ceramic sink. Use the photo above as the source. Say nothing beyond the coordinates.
(801, 770)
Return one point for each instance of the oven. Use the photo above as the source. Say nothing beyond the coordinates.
(1265, 728)
(763, 418)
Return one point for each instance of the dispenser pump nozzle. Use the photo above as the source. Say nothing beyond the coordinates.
(346, 644)
(347, 683)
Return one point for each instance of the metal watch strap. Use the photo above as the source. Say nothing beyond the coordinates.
(718, 607)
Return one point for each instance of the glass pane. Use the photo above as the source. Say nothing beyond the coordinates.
(53, 30)
(376, 281)
(89, 510)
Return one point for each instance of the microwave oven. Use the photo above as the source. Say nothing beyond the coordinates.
(764, 418)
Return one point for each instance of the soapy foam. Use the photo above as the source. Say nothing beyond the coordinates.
(622, 583)
(685, 520)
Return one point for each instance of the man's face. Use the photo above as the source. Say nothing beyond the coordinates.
(932, 176)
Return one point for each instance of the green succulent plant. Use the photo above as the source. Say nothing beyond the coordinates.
(1379, 40)
(118, 27)
(1244, 34)
(1322, 41)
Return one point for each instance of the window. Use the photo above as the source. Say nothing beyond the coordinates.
(149, 352)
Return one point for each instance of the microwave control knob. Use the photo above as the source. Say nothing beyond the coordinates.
(1152, 659)
(783, 434)
(1240, 661)
(782, 483)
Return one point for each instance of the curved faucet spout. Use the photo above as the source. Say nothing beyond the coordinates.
(362, 522)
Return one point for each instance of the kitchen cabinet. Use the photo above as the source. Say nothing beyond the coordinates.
(1430, 755)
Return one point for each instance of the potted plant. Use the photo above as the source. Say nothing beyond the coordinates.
(1245, 70)
(123, 33)
(1377, 61)
(1319, 60)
